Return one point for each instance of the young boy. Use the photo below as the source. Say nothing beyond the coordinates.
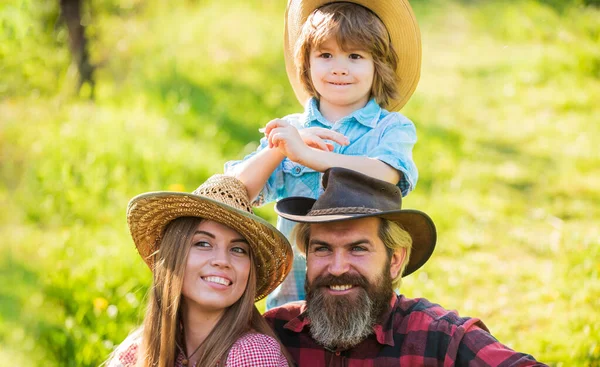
(349, 62)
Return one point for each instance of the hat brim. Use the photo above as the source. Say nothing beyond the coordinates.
(401, 24)
(148, 215)
(418, 224)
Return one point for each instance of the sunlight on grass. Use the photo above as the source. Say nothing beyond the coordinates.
(506, 113)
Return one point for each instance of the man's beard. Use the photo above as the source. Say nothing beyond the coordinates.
(341, 322)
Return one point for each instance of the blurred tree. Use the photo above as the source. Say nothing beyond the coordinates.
(561, 5)
(70, 11)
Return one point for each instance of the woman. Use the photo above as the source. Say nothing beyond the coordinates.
(211, 259)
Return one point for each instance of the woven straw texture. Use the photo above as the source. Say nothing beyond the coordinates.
(222, 199)
(401, 24)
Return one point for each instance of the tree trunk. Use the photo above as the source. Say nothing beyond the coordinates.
(71, 14)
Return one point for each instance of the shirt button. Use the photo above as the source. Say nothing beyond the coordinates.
(297, 170)
(337, 353)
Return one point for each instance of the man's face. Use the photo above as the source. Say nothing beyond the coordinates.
(348, 273)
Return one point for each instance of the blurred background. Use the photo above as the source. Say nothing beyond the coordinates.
(106, 99)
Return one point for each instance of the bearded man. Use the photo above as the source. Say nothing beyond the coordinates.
(358, 244)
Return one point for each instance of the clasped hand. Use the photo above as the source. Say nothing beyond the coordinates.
(295, 144)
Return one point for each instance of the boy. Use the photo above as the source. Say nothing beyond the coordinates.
(349, 60)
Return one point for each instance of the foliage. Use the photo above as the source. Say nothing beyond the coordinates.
(505, 112)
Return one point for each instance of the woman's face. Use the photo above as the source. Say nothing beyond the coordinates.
(217, 269)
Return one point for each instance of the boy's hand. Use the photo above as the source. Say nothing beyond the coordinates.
(286, 138)
(313, 137)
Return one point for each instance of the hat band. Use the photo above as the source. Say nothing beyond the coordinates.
(343, 210)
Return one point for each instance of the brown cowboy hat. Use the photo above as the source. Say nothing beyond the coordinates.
(401, 24)
(222, 199)
(353, 195)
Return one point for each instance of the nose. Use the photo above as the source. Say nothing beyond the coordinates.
(339, 264)
(339, 67)
(221, 258)
(339, 70)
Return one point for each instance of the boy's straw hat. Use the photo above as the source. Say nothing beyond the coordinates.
(222, 199)
(352, 195)
(401, 24)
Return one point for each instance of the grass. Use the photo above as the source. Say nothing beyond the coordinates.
(505, 112)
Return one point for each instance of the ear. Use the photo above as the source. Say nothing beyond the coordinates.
(397, 260)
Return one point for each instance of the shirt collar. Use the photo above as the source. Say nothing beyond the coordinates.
(367, 116)
(384, 330)
(299, 322)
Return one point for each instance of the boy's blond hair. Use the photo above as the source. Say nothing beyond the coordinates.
(353, 26)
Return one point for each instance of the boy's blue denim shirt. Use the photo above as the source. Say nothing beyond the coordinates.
(373, 132)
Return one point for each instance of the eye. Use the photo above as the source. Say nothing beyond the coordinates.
(356, 56)
(202, 244)
(359, 249)
(325, 55)
(320, 250)
(239, 250)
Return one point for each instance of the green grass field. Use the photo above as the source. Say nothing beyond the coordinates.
(506, 112)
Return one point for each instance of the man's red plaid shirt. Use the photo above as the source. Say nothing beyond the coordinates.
(414, 332)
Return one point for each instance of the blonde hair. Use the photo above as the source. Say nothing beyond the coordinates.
(393, 236)
(352, 25)
(161, 328)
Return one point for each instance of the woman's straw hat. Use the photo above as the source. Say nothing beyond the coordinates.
(223, 199)
(401, 24)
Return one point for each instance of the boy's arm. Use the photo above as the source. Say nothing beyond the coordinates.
(288, 141)
(256, 170)
(321, 161)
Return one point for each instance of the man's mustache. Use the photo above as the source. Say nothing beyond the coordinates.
(329, 280)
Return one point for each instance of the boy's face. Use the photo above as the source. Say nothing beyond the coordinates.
(343, 79)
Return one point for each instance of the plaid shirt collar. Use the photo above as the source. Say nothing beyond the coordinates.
(425, 334)
(368, 115)
(384, 330)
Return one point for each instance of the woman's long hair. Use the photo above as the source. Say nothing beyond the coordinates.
(162, 323)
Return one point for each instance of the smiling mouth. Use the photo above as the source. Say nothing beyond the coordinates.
(339, 83)
(340, 287)
(217, 280)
